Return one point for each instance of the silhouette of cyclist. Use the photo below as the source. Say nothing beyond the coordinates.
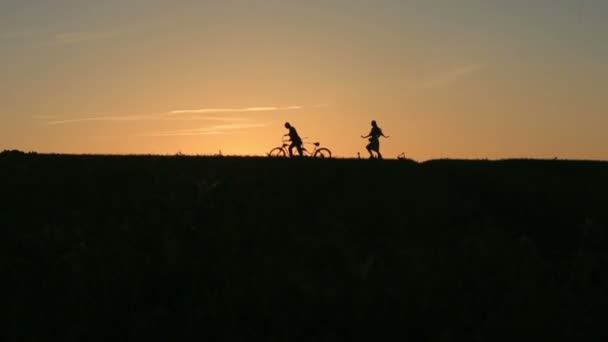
(296, 141)
(374, 140)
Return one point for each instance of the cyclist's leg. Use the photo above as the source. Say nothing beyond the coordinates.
(300, 151)
(291, 150)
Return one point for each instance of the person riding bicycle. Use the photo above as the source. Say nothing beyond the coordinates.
(374, 140)
(296, 141)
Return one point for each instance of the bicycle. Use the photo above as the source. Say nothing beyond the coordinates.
(317, 152)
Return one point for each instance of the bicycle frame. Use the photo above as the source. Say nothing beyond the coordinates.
(284, 150)
(310, 154)
(305, 152)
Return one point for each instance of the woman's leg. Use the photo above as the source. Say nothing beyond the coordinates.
(377, 149)
(369, 149)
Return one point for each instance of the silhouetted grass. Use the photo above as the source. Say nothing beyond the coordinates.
(102, 248)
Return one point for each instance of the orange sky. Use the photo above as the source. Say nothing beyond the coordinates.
(476, 79)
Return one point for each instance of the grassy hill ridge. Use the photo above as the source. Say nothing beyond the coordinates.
(227, 248)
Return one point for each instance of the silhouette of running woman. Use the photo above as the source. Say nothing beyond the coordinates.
(374, 140)
(296, 141)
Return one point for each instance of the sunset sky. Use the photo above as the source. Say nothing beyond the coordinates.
(444, 78)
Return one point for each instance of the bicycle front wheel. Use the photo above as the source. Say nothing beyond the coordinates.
(277, 152)
(323, 153)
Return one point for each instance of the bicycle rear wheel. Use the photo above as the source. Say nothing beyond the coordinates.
(277, 152)
(323, 153)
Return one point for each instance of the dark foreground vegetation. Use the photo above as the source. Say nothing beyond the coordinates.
(97, 248)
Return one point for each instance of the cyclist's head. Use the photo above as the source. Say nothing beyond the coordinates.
(374, 123)
(287, 125)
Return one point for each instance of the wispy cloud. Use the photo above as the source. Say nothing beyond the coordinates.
(181, 134)
(65, 38)
(43, 38)
(44, 117)
(20, 34)
(56, 120)
(233, 110)
(105, 118)
(204, 118)
(208, 130)
(176, 115)
(454, 75)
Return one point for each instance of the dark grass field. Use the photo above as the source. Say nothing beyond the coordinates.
(108, 248)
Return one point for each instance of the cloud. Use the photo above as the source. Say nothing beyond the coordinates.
(208, 130)
(126, 118)
(43, 38)
(176, 115)
(453, 76)
(205, 118)
(104, 118)
(233, 110)
(20, 34)
(44, 117)
(181, 134)
(77, 37)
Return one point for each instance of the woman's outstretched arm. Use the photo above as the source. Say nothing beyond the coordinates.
(369, 135)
